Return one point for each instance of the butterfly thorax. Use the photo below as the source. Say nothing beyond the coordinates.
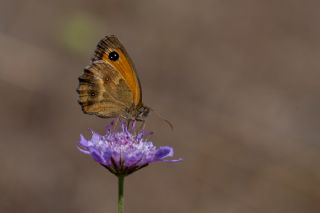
(137, 113)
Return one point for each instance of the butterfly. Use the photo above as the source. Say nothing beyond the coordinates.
(109, 86)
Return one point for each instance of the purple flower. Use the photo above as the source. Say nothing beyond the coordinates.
(124, 152)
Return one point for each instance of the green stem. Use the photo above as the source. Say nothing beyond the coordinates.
(120, 193)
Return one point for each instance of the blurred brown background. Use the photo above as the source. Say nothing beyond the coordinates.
(238, 79)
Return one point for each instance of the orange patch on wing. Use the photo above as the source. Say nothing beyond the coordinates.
(123, 66)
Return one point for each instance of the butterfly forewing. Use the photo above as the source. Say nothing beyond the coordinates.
(123, 64)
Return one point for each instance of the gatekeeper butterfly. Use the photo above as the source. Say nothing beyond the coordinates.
(109, 86)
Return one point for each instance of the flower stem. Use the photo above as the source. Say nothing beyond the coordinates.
(120, 193)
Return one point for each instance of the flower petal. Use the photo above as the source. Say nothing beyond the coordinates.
(95, 137)
(107, 158)
(95, 155)
(84, 151)
(83, 141)
(163, 152)
(172, 161)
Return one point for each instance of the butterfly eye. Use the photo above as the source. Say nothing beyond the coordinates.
(113, 56)
(92, 94)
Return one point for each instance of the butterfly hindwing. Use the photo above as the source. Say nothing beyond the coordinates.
(103, 91)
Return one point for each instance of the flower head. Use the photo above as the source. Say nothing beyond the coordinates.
(124, 151)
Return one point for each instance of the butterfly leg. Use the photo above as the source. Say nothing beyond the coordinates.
(142, 124)
(116, 123)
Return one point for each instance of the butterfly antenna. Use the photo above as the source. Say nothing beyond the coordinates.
(162, 118)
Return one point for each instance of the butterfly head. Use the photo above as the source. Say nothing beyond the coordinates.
(143, 112)
(138, 113)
